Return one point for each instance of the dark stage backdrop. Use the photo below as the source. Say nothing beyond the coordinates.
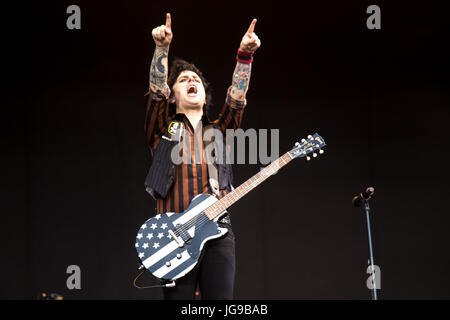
(75, 157)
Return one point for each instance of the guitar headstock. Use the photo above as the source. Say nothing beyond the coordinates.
(307, 146)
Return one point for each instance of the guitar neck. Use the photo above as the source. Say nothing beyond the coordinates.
(228, 200)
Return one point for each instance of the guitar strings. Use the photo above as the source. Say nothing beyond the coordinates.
(203, 216)
(201, 219)
(250, 185)
(284, 159)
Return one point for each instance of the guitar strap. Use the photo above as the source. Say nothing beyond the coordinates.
(175, 130)
(208, 135)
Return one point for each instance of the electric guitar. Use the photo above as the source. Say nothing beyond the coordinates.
(169, 245)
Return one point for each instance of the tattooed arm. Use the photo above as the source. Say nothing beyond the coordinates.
(162, 36)
(241, 76)
(241, 79)
(231, 115)
(158, 73)
(156, 115)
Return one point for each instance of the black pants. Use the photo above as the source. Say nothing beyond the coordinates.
(214, 273)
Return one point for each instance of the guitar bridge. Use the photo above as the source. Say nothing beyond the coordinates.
(178, 240)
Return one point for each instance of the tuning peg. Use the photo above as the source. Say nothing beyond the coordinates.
(310, 137)
(321, 151)
(308, 158)
(297, 144)
(314, 155)
(303, 140)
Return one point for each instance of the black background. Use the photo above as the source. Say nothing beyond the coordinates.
(75, 157)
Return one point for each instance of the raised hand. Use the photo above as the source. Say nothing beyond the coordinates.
(162, 35)
(250, 42)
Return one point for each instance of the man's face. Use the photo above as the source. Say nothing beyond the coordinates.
(188, 91)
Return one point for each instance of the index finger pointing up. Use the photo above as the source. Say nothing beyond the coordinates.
(252, 26)
(168, 21)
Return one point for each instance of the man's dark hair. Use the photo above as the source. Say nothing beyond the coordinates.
(178, 66)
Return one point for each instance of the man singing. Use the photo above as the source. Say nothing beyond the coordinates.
(177, 102)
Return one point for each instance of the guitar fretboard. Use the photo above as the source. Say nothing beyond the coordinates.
(228, 200)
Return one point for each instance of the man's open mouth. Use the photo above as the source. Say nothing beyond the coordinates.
(192, 90)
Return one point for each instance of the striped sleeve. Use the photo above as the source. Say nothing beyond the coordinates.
(156, 118)
(231, 115)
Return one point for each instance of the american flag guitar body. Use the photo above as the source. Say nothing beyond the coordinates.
(169, 245)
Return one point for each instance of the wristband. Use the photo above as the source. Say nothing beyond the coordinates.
(244, 57)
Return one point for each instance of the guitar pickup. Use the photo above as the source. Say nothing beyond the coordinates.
(178, 240)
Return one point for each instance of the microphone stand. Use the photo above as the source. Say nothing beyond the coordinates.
(367, 209)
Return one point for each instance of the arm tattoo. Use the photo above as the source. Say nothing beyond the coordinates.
(159, 71)
(241, 79)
